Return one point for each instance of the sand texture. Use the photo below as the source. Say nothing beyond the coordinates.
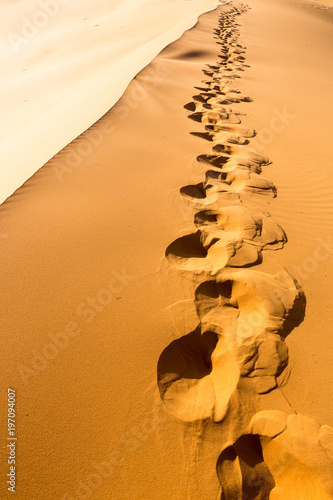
(247, 305)
(67, 63)
(166, 278)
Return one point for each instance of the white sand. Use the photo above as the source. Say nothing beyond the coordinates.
(67, 63)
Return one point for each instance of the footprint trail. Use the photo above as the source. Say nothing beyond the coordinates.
(246, 304)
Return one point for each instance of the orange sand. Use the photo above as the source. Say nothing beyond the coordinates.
(90, 302)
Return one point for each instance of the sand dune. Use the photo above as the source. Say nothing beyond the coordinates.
(68, 63)
(187, 240)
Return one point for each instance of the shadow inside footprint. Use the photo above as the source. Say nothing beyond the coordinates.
(295, 316)
(203, 135)
(182, 375)
(194, 191)
(213, 174)
(215, 160)
(210, 250)
(242, 471)
(190, 106)
(196, 117)
(187, 246)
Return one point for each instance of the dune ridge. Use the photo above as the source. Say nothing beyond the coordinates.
(85, 55)
(247, 304)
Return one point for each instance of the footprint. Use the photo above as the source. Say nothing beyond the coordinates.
(230, 237)
(211, 249)
(228, 57)
(224, 137)
(226, 132)
(300, 459)
(254, 311)
(217, 100)
(237, 182)
(241, 152)
(198, 373)
(229, 163)
(232, 166)
(242, 471)
(265, 303)
(231, 129)
(209, 117)
(196, 376)
(254, 228)
(221, 73)
(281, 457)
(218, 86)
(249, 181)
(237, 337)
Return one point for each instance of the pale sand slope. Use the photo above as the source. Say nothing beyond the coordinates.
(69, 233)
(84, 54)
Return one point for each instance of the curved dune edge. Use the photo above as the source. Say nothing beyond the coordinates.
(85, 55)
(245, 306)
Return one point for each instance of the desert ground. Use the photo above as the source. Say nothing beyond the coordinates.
(166, 277)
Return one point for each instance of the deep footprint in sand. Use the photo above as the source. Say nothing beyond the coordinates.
(242, 324)
(226, 133)
(264, 302)
(236, 152)
(226, 73)
(222, 136)
(242, 471)
(217, 129)
(255, 311)
(255, 228)
(215, 100)
(197, 375)
(209, 117)
(230, 237)
(237, 182)
(281, 457)
(227, 163)
(209, 250)
(184, 376)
